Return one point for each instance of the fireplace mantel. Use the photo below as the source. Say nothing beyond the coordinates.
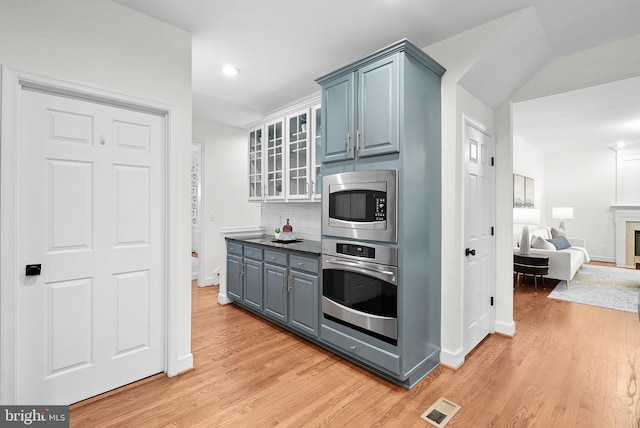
(622, 215)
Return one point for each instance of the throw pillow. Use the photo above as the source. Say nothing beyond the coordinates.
(560, 242)
(542, 244)
(556, 233)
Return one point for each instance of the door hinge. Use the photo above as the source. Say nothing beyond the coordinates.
(491, 300)
(492, 231)
(493, 161)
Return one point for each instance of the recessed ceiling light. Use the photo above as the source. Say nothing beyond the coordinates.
(230, 70)
(620, 144)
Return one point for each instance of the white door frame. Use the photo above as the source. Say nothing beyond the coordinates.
(467, 121)
(14, 80)
(203, 280)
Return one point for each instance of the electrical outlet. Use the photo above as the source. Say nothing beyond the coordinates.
(212, 217)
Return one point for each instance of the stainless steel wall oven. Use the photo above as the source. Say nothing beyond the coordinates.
(359, 287)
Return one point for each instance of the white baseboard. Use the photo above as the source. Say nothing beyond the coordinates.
(209, 281)
(506, 329)
(223, 299)
(602, 258)
(184, 362)
(453, 359)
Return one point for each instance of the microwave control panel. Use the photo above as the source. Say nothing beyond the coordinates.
(356, 250)
(380, 201)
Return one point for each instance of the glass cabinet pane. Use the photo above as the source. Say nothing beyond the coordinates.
(275, 159)
(297, 142)
(255, 164)
(317, 135)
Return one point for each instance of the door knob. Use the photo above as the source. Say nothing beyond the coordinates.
(33, 270)
(469, 251)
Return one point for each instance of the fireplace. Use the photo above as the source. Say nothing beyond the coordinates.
(637, 249)
(627, 223)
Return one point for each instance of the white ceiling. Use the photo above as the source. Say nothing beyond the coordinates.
(281, 46)
(589, 118)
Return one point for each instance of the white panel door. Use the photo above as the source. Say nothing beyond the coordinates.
(478, 217)
(90, 213)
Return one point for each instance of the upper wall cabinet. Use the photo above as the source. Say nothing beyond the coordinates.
(362, 108)
(274, 157)
(298, 155)
(256, 165)
(316, 177)
(282, 157)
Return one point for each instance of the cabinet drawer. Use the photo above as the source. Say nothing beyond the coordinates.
(275, 257)
(362, 350)
(253, 252)
(303, 263)
(234, 248)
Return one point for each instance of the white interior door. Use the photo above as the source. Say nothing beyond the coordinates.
(90, 212)
(478, 233)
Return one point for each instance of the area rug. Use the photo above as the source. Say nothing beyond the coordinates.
(607, 287)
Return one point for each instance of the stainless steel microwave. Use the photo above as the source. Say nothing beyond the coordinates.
(361, 205)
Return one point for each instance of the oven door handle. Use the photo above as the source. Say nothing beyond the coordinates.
(359, 267)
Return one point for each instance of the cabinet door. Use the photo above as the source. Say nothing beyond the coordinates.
(298, 155)
(275, 292)
(253, 284)
(234, 277)
(303, 300)
(378, 108)
(316, 153)
(275, 160)
(256, 164)
(338, 114)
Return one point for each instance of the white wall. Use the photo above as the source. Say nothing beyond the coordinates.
(102, 44)
(586, 181)
(305, 218)
(458, 55)
(226, 184)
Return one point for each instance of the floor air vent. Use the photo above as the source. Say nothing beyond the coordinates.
(440, 412)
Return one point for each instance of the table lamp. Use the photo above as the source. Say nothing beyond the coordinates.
(525, 217)
(562, 214)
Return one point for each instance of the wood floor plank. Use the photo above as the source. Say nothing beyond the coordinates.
(568, 365)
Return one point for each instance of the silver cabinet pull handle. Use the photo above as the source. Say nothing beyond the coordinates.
(348, 142)
(357, 141)
(289, 283)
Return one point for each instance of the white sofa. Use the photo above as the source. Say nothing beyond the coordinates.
(563, 264)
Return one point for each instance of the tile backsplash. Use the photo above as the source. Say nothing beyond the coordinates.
(304, 217)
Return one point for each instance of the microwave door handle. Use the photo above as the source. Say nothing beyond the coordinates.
(360, 266)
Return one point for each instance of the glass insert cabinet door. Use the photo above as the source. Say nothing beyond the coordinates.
(256, 184)
(316, 179)
(298, 155)
(275, 159)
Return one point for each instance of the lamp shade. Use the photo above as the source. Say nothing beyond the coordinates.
(526, 216)
(562, 213)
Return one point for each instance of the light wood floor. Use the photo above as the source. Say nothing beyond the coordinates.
(568, 365)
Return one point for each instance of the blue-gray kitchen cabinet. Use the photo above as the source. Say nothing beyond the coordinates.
(361, 110)
(303, 302)
(234, 276)
(291, 290)
(275, 291)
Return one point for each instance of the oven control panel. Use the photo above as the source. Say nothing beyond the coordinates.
(356, 250)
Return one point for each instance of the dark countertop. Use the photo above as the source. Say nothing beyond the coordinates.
(305, 246)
